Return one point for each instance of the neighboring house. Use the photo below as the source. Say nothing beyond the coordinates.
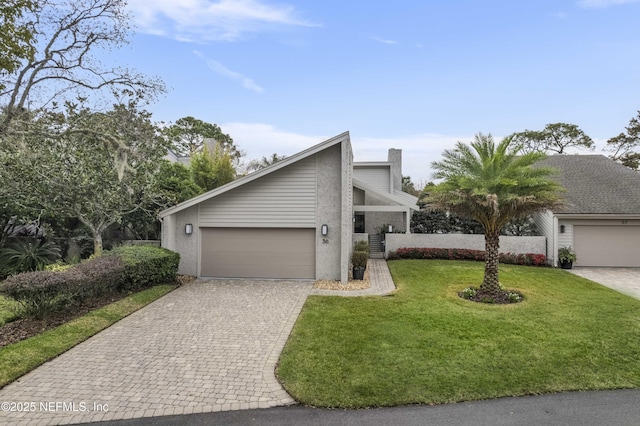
(601, 216)
(175, 158)
(270, 223)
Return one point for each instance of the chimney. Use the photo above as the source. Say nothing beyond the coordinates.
(395, 158)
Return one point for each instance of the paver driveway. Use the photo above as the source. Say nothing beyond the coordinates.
(624, 280)
(207, 346)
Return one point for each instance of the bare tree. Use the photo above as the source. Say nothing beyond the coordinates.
(64, 66)
(264, 162)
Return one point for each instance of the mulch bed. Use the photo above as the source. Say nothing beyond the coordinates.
(22, 329)
(502, 298)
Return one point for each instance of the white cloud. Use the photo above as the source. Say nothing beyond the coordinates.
(217, 67)
(418, 151)
(599, 4)
(207, 20)
(383, 40)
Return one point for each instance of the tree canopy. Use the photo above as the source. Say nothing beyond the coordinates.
(264, 162)
(492, 184)
(62, 65)
(624, 146)
(210, 170)
(17, 35)
(556, 137)
(97, 167)
(188, 134)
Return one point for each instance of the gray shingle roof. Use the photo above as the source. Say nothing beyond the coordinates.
(596, 185)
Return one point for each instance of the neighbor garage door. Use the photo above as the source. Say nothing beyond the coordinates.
(607, 245)
(258, 253)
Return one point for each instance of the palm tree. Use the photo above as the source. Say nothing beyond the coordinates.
(492, 185)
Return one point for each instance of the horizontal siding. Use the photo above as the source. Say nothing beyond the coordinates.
(544, 223)
(285, 198)
(375, 176)
(565, 239)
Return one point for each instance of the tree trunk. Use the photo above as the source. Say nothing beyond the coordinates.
(97, 244)
(491, 283)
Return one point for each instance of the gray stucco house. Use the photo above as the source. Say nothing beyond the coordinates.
(295, 219)
(601, 216)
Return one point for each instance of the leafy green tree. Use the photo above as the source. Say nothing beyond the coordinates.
(189, 134)
(430, 222)
(17, 35)
(492, 184)
(556, 137)
(210, 170)
(96, 167)
(409, 187)
(264, 162)
(174, 184)
(625, 144)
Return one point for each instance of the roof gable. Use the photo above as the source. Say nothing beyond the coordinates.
(341, 138)
(596, 184)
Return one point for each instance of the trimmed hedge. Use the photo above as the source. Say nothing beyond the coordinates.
(122, 269)
(146, 265)
(39, 292)
(530, 259)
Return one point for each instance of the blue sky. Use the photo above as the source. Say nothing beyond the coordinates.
(280, 76)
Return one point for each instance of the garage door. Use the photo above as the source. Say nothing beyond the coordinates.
(607, 245)
(258, 253)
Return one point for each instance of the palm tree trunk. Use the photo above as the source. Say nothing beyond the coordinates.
(491, 283)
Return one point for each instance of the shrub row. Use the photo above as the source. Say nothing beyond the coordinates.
(147, 265)
(127, 269)
(530, 259)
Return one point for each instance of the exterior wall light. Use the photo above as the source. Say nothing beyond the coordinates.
(324, 230)
(188, 229)
(390, 228)
(562, 229)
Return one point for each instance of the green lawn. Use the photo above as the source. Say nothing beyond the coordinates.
(426, 345)
(21, 357)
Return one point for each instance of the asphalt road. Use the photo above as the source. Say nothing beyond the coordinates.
(618, 407)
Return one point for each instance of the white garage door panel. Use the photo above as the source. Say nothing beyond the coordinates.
(607, 245)
(258, 253)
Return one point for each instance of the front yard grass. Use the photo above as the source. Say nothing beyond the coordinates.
(426, 345)
(21, 357)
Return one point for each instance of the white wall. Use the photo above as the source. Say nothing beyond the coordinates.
(508, 244)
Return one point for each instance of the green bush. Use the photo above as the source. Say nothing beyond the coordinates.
(39, 292)
(95, 277)
(359, 259)
(122, 269)
(361, 245)
(529, 259)
(146, 265)
(27, 254)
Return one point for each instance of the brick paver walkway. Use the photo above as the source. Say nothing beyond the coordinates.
(207, 346)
